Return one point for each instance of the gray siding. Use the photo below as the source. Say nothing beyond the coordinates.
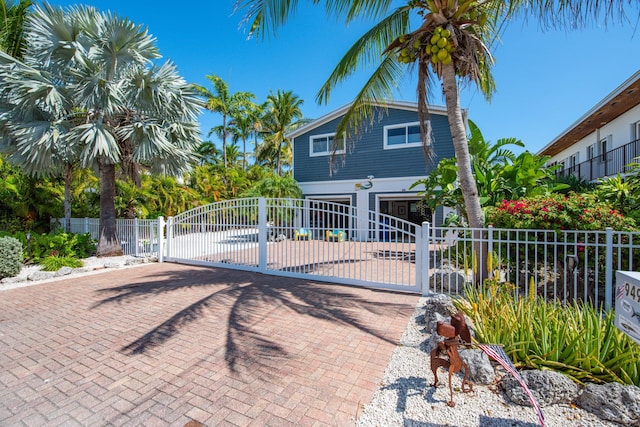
(368, 156)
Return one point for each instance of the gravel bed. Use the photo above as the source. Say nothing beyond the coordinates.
(92, 265)
(405, 396)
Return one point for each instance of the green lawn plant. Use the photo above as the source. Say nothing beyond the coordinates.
(10, 257)
(575, 339)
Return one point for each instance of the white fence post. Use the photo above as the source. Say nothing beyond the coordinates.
(160, 234)
(86, 224)
(136, 237)
(169, 236)
(262, 234)
(608, 275)
(423, 261)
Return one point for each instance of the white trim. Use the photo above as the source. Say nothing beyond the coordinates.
(328, 152)
(400, 105)
(407, 144)
(330, 198)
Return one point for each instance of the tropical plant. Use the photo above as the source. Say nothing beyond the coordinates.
(282, 114)
(12, 17)
(575, 339)
(208, 153)
(498, 172)
(56, 262)
(275, 186)
(88, 90)
(221, 101)
(621, 193)
(245, 124)
(558, 212)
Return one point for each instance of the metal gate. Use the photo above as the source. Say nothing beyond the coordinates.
(302, 238)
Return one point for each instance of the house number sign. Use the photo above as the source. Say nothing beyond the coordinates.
(627, 316)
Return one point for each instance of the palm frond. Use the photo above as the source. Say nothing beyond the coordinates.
(367, 50)
(378, 88)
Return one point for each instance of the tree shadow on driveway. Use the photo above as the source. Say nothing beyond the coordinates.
(248, 300)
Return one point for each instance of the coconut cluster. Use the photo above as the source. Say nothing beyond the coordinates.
(438, 47)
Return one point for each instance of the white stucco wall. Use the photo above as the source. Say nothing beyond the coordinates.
(620, 132)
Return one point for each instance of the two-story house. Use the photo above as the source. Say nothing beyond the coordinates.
(604, 140)
(375, 171)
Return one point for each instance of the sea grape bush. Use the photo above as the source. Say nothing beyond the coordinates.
(558, 212)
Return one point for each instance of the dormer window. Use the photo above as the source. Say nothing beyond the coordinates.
(322, 145)
(402, 135)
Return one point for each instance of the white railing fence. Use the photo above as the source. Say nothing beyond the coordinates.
(561, 265)
(138, 237)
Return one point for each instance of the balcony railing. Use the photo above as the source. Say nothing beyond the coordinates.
(603, 165)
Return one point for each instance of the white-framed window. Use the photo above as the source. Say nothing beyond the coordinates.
(402, 135)
(591, 151)
(574, 160)
(605, 144)
(635, 131)
(322, 145)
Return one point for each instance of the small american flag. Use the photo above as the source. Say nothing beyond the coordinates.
(497, 353)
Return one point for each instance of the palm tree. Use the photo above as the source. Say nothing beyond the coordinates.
(12, 17)
(282, 115)
(464, 28)
(224, 103)
(244, 124)
(208, 153)
(89, 90)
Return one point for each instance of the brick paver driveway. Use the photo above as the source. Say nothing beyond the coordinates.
(165, 344)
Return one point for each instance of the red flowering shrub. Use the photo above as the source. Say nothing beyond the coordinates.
(558, 212)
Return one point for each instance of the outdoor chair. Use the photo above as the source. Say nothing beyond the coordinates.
(303, 233)
(337, 235)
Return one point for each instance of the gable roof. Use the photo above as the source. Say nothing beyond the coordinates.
(401, 105)
(622, 99)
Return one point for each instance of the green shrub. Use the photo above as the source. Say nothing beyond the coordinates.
(558, 212)
(10, 257)
(55, 263)
(575, 339)
(56, 243)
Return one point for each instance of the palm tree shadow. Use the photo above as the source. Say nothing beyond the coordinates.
(245, 300)
(410, 386)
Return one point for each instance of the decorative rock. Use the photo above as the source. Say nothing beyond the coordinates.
(134, 261)
(447, 281)
(16, 279)
(480, 369)
(82, 270)
(112, 265)
(439, 303)
(612, 402)
(64, 271)
(547, 387)
(41, 275)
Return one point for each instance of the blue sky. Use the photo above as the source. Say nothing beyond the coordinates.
(546, 79)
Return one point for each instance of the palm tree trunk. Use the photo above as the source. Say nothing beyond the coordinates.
(68, 174)
(244, 154)
(108, 243)
(224, 139)
(465, 174)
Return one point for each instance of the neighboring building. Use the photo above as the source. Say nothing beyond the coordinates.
(603, 141)
(378, 169)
